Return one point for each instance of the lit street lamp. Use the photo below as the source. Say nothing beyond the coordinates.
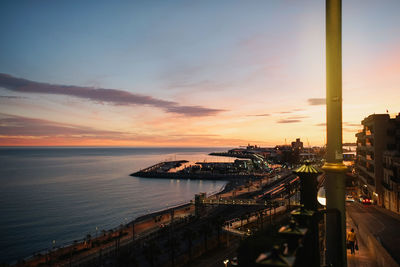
(334, 167)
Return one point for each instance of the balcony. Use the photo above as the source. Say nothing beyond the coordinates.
(387, 186)
(365, 173)
(361, 148)
(391, 132)
(395, 177)
(391, 146)
(370, 181)
(360, 134)
(370, 168)
(385, 165)
(362, 162)
(361, 154)
(369, 134)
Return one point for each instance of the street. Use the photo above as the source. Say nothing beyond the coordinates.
(383, 226)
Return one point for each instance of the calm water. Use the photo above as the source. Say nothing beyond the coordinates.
(63, 194)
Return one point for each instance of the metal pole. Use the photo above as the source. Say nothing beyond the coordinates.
(334, 168)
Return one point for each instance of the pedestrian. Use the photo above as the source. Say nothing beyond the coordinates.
(352, 241)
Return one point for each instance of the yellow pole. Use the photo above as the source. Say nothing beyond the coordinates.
(334, 168)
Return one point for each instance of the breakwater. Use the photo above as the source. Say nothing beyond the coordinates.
(227, 154)
(215, 171)
(195, 176)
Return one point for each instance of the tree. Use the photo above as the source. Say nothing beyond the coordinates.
(217, 222)
(188, 235)
(88, 240)
(104, 232)
(205, 230)
(172, 246)
(151, 251)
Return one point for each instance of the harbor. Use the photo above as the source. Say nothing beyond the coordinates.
(244, 167)
(92, 249)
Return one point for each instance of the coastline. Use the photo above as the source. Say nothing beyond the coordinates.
(144, 225)
(178, 207)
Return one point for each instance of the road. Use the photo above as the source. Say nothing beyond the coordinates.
(383, 226)
(362, 257)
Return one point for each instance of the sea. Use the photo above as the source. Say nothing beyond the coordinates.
(53, 196)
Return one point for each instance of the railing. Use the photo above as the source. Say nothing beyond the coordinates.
(395, 178)
(387, 186)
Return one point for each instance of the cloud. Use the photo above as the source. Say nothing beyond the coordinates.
(288, 121)
(293, 119)
(345, 129)
(25, 131)
(352, 124)
(194, 135)
(259, 115)
(101, 95)
(11, 97)
(11, 125)
(344, 124)
(316, 101)
(297, 117)
(290, 111)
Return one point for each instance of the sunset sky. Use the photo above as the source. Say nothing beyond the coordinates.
(188, 73)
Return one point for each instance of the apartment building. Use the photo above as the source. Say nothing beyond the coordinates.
(377, 137)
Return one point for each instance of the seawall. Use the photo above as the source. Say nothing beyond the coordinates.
(195, 176)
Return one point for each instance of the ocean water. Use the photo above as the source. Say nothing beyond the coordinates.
(62, 194)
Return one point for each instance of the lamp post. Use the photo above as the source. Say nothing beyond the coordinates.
(306, 215)
(334, 167)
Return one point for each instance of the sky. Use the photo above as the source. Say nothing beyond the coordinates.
(188, 73)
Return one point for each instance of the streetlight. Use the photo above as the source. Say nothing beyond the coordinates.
(321, 196)
(334, 167)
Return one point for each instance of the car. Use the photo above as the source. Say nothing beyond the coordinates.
(349, 198)
(366, 201)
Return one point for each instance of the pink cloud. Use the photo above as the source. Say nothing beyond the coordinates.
(101, 95)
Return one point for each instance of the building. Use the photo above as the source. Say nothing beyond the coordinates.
(297, 144)
(391, 180)
(376, 138)
(391, 169)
